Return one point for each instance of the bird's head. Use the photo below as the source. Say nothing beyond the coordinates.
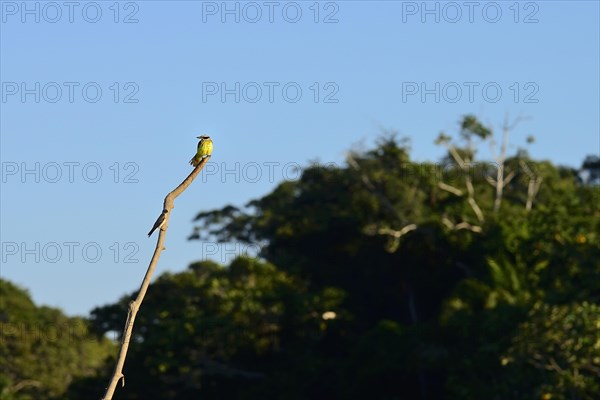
(203, 137)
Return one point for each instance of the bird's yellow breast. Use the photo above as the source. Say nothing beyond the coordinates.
(205, 147)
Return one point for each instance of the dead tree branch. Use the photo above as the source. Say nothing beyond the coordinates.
(134, 305)
(460, 225)
(533, 187)
(372, 230)
(450, 188)
(464, 166)
(500, 182)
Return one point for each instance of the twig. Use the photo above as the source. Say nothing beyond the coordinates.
(501, 181)
(450, 188)
(397, 234)
(474, 204)
(466, 225)
(134, 305)
(459, 160)
(461, 225)
(385, 201)
(23, 384)
(533, 187)
(508, 178)
(464, 166)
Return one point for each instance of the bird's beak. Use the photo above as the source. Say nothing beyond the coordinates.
(198, 137)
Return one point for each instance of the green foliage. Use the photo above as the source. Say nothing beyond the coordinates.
(379, 280)
(453, 299)
(210, 326)
(41, 350)
(470, 125)
(559, 348)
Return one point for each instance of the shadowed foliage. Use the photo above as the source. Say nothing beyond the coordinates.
(384, 279)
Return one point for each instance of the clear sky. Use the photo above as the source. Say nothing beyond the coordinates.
(102, 101)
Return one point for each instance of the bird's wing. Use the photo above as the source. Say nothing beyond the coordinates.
(159, 221)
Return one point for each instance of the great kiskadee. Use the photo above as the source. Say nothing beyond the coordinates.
(205, 148)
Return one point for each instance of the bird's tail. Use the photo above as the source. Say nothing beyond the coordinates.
(193, 161)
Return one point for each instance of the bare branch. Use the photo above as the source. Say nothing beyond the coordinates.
(387, 203)
(450, 189)
(464, 166)
(395, 233)
(508, 178)
(533, 187)
(500, 169)
(448, 223)
(532, 190)
(471, 199)
(461, 225)
(459, 160)
(466, 225)
(493, 148)
(520, 118)
(500, 180)
(23, 384)
(134, 305)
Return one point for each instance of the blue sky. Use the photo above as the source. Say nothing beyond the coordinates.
(83, 95)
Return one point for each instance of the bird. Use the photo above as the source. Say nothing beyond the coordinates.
(159, 221)
(205, 148)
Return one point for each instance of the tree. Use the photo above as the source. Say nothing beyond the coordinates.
(385, 278)
(41, 350)
(563, 362)
(220, 332)
(407, 245)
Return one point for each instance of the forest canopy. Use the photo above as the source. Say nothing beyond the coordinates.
(383, 278)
